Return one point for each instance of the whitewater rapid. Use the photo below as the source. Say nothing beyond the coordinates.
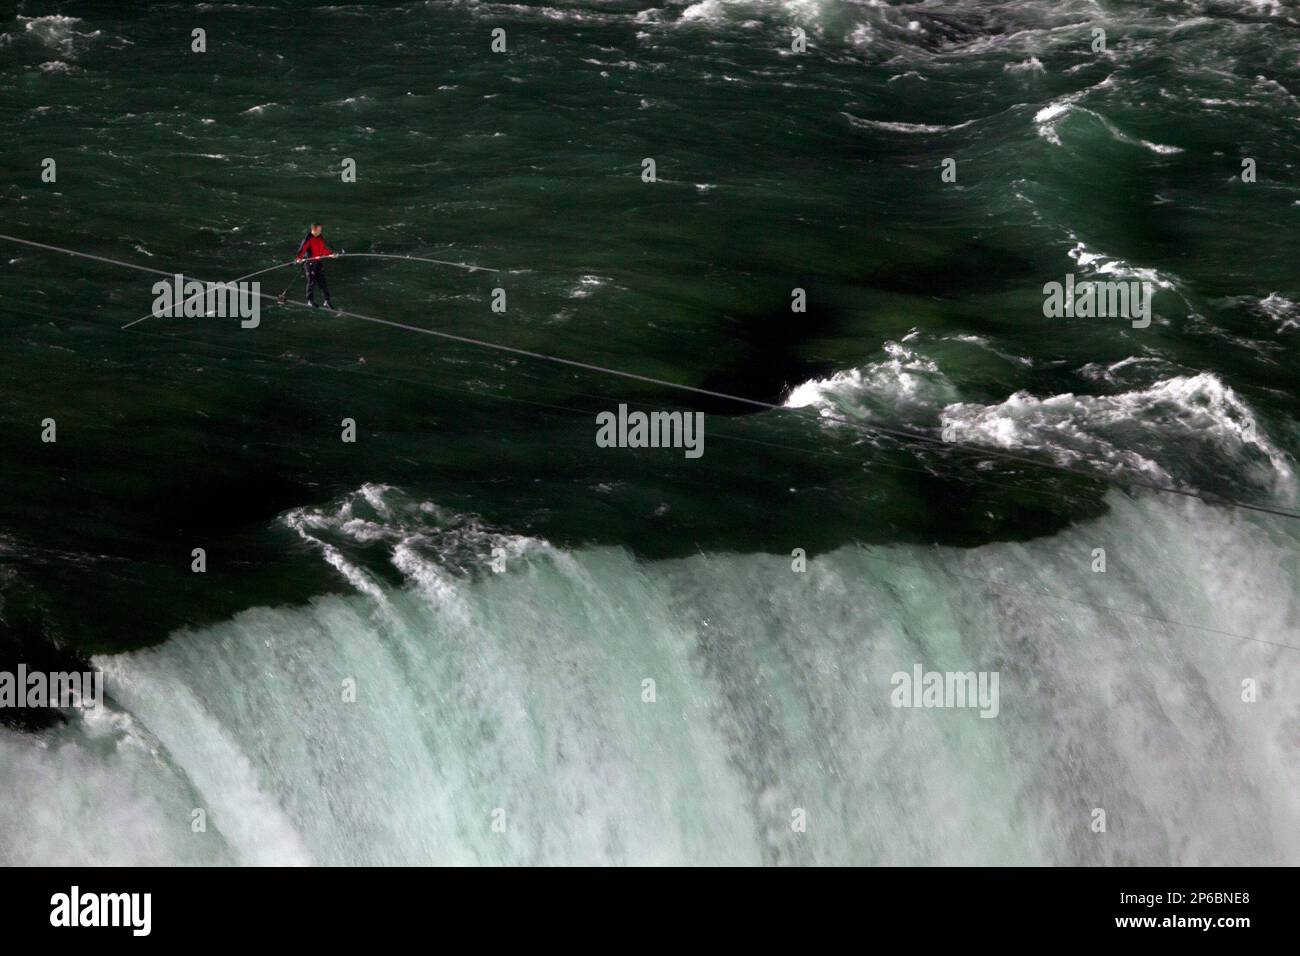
(518, 698)
(502, 708)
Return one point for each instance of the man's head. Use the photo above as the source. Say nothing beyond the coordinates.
(315, 229)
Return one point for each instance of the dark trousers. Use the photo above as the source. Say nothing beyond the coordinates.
(315, 278)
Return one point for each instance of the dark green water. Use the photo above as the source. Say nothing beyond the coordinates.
(775, 171)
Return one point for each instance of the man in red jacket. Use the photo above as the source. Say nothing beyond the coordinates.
(314, 250)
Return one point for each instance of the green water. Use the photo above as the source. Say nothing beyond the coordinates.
(776, 171)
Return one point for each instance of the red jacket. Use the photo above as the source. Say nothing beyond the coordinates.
(313, 247)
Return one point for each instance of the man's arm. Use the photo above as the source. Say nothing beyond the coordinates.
(301, 247)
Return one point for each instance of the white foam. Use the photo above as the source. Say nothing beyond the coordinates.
(899, 127)
(532, 703)
(905, 384)
(1030, 65)
(57, 32)
(1281, 310)
(1160, 433)
(1104, 264)
(586, 286)
(1048, 118)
